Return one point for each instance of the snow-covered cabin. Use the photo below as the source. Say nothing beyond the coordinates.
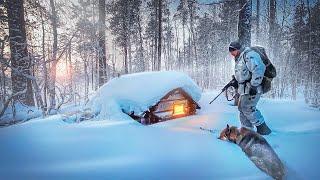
(176, 103)
(148, 97)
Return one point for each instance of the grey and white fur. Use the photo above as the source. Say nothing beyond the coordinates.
(257, 149)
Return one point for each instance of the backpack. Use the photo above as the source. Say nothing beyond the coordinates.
(270, 72)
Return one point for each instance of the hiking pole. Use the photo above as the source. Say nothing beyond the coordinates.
(216, 97)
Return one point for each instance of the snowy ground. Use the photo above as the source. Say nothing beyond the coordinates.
(50, 148)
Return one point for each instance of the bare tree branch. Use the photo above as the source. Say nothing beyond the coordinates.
(5, 105)
(16, 70)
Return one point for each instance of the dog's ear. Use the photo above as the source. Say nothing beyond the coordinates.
(228, 130)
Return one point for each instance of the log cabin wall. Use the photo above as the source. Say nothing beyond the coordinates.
(165, 109)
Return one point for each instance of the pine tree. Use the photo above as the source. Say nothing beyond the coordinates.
(204, 43)
(299, 45)
(140, 55)
(152, 31)
(227, 27)
(88, 44)
(313, 51)
(124, 25)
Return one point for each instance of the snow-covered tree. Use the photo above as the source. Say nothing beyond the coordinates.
(20, 59)
(244, 26)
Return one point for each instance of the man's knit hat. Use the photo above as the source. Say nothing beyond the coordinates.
(235, 45)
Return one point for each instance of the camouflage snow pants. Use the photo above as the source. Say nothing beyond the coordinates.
(250, 116)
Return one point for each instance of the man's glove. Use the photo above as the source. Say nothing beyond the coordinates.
(234, 83)
(253, 90)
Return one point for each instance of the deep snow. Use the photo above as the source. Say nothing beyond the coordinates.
(178, 149)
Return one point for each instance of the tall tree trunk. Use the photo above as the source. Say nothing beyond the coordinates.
(142, 68)
(193, 35)
(19, 53)
(70, 75)
(155, 53)
(52, 79)
(96, 71)
(151, 53)
(92, 71)
(95, 56)
(159, 33)
(192, 10)
(258, 22)
(189, 50)
(102, 43)
(170, 58)
(125, 49)
(184, 47)
(114, 59)
(177, 42)
(3, 75)
(272, 23)
(309, 59)
(44, 65)
(86, 77)
(244, 25)
(130, 54)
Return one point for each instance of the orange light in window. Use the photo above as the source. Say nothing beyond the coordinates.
(178, 109)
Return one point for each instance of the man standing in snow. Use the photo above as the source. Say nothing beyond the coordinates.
(249, 72)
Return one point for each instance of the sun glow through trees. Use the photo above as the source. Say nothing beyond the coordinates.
(63, 71)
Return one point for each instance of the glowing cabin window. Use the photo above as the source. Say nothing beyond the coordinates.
(178, 109)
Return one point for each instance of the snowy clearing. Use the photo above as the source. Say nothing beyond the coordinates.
(124, 149)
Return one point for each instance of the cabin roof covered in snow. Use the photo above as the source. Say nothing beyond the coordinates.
(140, 91)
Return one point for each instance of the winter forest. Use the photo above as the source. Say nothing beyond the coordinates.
(55, 52)
(160, 89)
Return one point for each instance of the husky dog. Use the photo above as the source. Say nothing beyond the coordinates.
(256, 148)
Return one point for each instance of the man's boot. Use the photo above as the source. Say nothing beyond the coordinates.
(263, 129)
